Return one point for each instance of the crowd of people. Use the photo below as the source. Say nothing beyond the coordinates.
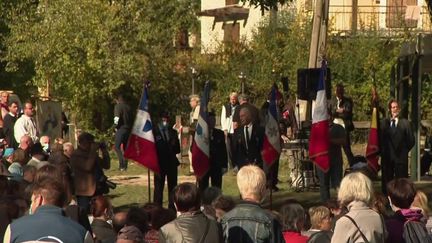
(53, 192)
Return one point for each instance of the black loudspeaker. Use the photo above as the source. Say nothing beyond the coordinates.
(307, 83)
(285, 84)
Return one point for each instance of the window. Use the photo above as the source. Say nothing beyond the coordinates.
(395, 17)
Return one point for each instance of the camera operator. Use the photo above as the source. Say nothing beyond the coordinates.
(87, 168)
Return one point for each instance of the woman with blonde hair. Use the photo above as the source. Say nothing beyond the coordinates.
(421, 202)
(361, 223)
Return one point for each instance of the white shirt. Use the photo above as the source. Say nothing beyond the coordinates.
(227, 122)
(396, 121)
(25, 125)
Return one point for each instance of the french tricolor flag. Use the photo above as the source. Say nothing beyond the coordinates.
(271, 148)
(319, 141)
(201, 142)
(141, 145)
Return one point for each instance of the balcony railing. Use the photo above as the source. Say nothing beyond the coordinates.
(379, 18)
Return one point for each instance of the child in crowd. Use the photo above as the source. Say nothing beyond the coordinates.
(321, 221)
(222, 205)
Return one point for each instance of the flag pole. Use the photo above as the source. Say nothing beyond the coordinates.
(271, 187)
(148, 186)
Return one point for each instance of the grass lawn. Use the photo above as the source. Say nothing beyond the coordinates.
(132, 189)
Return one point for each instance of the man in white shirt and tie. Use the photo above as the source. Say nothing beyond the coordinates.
(396, 140)
(248, 140)
(26, 125)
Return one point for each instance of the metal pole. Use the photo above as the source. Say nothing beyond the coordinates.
(242, 78)
(193, 79)
(148, 186)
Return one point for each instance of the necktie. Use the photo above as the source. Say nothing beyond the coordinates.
(164, 135)
(393, 123)
(247, 135)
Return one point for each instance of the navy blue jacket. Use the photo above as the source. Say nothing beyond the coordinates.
(47, 223)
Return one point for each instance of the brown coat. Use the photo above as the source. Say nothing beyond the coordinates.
(84, 164)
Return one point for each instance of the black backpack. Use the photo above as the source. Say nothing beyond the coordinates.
(415, 232)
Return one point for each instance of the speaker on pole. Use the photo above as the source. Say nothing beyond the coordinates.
(307, 83)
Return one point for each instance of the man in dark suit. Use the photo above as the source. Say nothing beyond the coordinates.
(8, 125)
(167, 146)
(248, 140)
(342, 113)
(396, 140)
(218, 156)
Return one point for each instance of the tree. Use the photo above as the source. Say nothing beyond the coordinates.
(265, 5)
(87, 50)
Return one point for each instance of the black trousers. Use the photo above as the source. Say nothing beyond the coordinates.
(271, 173)
(121, 137)
(228, 142)
(215, 175)
(347, 149)
(390, 171)
(159, 184)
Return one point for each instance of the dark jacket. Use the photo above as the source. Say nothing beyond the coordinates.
(218, 152)
(48, 221)
(395, 224)
(167, 148)
(248, 222)
(396, 142)
(103, 231)
(250, 154)
(347, 116)
(8, 130)
(123, 112)
(192, 228)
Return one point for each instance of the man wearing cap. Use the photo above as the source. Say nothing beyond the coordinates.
(167, 146)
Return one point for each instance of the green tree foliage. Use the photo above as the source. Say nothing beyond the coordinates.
(265, 5)
(274, 51)
(87, 50)
(361, 62)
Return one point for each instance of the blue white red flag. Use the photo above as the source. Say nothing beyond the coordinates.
(319, 141)
(201, 142)
(271, 148)
(141, 146)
